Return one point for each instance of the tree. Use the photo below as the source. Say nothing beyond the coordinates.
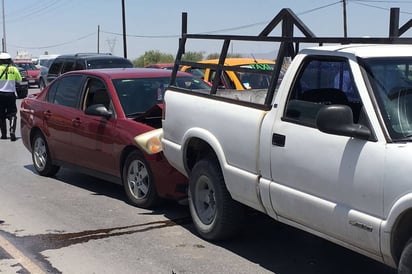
(193, 56)
(153, 57)
(229, 55)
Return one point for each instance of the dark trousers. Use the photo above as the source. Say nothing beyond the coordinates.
(8, 109)
(8, 106)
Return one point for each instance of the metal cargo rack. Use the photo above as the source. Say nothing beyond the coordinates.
(289, 44)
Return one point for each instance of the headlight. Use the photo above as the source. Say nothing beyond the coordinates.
(150, 141)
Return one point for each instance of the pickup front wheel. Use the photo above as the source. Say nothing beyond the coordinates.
(215, 214)
(405, 263)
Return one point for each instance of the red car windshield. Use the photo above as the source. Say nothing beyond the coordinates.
(137, 95)
(27, 66)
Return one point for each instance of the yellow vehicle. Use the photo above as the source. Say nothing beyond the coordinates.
(234, 79)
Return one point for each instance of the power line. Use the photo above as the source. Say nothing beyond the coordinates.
(382, 1)
(221, 30)
(363, 3)
(141, 36)
(58, 45)
(53, 5)
(35, 11)
(319, 8)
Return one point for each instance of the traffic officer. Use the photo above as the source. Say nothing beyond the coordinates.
(9, 74)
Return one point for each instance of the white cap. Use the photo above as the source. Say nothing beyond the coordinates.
(4, 56)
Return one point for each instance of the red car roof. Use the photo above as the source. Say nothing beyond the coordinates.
(117, 73)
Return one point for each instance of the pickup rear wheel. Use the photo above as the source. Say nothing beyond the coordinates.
(41, 157)
(215, 214)
(138, 181)
(405, 263)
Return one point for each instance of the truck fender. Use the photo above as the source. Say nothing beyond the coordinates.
(241, 184)
(390, 247)
(206, 137)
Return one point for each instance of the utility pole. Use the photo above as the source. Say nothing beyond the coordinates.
(98, 38)
(124, 30)
(345, 28)
(4, 29)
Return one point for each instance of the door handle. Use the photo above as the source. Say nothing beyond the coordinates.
(76, 122)
(47, 114)
(278, 140)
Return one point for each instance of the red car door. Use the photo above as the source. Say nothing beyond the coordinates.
(94, 137)
(58, 114)
(57, 123)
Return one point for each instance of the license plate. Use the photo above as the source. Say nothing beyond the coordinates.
(31, 81)
(23, 83)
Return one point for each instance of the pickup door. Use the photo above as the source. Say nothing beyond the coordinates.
(327, 184)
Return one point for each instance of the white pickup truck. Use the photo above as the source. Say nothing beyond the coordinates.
(327, 148)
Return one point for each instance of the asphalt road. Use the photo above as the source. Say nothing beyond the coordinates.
(74, 223)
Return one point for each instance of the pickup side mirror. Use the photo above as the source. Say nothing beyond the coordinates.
(99, 110)
(338, 120)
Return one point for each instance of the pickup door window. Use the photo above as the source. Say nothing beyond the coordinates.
(327, 183)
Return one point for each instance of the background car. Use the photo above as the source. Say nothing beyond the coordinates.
(22, 87)
(88, 120)
(232, 79)
(32, 72)
(79, 61)
(44, 62)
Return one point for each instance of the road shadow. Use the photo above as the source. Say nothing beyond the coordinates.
(95, 185)
(276, 247)
(282, 249)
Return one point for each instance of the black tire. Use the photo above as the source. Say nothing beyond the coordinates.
(138, 181)
(215, 214)
(41, 157)
(405, 263)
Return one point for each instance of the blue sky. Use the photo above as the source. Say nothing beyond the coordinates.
(62, 26)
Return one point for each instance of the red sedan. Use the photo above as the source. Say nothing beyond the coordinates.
(88, 120)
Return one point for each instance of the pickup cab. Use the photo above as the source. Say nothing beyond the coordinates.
(326, 148)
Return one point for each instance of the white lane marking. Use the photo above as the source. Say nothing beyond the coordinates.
(19, 256)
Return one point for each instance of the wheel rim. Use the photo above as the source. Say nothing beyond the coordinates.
(40, 153)
(205, 200)
(138, 179)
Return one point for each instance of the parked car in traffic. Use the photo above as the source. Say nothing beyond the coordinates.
(22, 87)
(43, 77)
(79, 61)
(32, 72)
(45, 60)
(88, 120)
(234, 80)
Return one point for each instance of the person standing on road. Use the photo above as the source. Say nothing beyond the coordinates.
(9, 74)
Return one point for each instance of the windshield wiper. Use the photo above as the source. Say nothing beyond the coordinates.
(134, 114)
(406, 138)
